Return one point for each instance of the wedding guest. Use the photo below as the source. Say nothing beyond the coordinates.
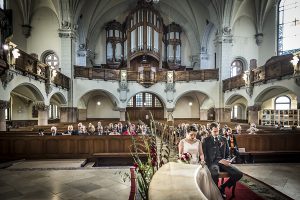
(91, 129)
(233, 147)
(41, 132)
(69, 131)
(99, 128)
(238, 129)
(216, 153)
(53, 131)
(114, 132)
(252, 129)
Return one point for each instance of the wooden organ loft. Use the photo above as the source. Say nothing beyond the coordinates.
(143, 43)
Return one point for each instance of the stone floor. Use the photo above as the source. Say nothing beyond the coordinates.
(281, 176)
(64, 179)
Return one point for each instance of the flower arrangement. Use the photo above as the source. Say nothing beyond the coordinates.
(186, 157)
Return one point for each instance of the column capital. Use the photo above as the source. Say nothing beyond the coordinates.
(4, 104)
(67, 30)
(40, 106)
(68, 109)
(254, 108)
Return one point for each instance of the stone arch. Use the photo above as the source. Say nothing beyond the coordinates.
(59, 98)
(29, 90)
(234, 98)
(269, 92)
(190, 91)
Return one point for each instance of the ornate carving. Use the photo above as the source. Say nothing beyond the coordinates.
(4, 104)
(6, 77)
(26, 30)
(170, 87)
(48, 88)
(259, 38)
(254, 108)
(40, 106)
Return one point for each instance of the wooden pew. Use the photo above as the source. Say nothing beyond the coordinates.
(271, 147)
(50, 147)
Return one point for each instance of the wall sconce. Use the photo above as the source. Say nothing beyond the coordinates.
(190, 103)
(13, 52)
(98, 103)
(249, 87)
(295, 63)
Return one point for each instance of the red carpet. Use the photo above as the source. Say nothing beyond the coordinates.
(241, 193)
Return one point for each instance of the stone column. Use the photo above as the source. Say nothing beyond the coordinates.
(68, 114)
(3, 106)
(82, 114)
(223, 114)
(253, 114)
(42, 112)
(203, 114)
(170, 115)
(122, 115)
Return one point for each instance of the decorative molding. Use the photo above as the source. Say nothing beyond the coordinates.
(170, 87)
(259, 38)
(254, 108)
(26, 30)
(68, 109)
(4, 104)
(40, 106)
(48, 88)
(6, 77)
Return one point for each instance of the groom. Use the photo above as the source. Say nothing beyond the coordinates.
(216, 152)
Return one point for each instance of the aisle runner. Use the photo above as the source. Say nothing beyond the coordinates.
(249, 188)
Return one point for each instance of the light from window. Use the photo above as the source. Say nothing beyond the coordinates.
(234, 113)
(236, 68)
(157, 102)
(52, 60)
(2, 4)
(282, 103)
(148, 100)
(139, 100)
(130, 102)
(288, 26)
(6, 114)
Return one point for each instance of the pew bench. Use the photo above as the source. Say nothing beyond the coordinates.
(251, 156)
(121, 158)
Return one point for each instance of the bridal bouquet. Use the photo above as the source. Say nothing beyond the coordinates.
(186, 157)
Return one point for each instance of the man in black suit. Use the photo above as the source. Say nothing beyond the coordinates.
(216, 152)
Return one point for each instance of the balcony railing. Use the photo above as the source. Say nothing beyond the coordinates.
(160, 76)
(30, 66)
(276, 68)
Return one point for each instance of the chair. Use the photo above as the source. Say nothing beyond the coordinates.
(223, 175)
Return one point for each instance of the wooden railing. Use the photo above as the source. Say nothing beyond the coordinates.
(161, 76)
(275, 68)
(30, 66)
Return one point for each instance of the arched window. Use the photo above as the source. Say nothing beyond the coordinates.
(236, 68)
(288, 26)
(282, 103)
(144, 100)
(51, 59)
(53, 111)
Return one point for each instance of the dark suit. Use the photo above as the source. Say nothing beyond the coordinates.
(214, 151)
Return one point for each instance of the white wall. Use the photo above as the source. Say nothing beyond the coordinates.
(267, 48)
(244, 44)
(184, 110)
(21, 110)
(185, 51)
(44, 34)
(105, 110)
(100, 49)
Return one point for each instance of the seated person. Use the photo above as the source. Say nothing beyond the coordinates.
(252, 129)
(69, 131)
(99, 129)
(233, 147)
(114, 132)
(238, 129)
(91, 129)
(53, 131)
(41, 132)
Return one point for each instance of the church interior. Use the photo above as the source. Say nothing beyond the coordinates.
(90, 89)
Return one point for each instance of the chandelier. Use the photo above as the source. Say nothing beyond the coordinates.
(154, 1)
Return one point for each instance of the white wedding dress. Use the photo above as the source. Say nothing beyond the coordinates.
(203, 178)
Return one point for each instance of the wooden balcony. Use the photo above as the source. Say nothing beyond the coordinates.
(30, 66)
(160, 76)
(275, 69)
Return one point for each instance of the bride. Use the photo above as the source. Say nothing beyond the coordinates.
(194, 146)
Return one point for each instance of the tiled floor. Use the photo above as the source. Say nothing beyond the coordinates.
(281, 176)
(40, 180)
(66, 180)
